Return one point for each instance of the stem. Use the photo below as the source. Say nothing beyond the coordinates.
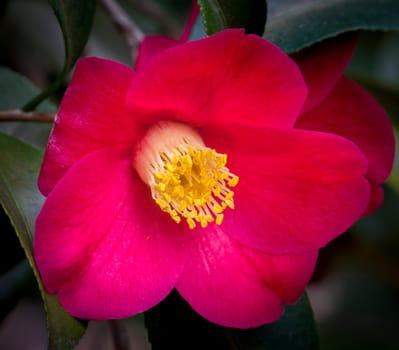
(32, 104)
(119, 335)
(132, 33)
(18, 115)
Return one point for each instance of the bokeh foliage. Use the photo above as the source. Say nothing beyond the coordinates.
(357, 275)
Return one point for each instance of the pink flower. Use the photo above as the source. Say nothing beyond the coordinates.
(153, 44)
(134, 152)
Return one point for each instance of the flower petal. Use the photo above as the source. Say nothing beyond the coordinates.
(376, 197)
(323, 64)
(226, 77)
(287, 152)
(293, 215)
(351, 112)
(239, 287)
(102, 244)
(91, 116)
(152, 45)
(297, 189)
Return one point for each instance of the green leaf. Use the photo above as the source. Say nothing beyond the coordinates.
(295, 330)
(75, 18)
(221, 14)
(375, 66)
(295, 24)
(20, 198)
(64, 331)
(15, 91)
(172, 324)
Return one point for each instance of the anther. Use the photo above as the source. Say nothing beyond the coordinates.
(187, 179)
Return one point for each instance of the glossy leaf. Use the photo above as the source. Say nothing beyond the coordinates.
(293, 25)
(75, 18)
(15, 91)
(221, 14)
(173, 324)
(295, 330)
(20, 198)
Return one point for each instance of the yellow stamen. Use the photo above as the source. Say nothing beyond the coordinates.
(187, 179)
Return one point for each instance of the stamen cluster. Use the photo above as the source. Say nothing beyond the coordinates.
(187, 179)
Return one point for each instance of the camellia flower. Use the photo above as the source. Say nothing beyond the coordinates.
(218, 167)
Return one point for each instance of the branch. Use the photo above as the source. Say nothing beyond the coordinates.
(132, 33)
(119, 335)
(152, 10)
(17, 115)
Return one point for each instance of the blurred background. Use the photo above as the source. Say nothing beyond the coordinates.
(355, 288)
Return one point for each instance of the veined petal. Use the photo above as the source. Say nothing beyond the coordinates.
(293, 215)
(293, 153)
(225, 78)
(102, 244)
(237, 286)
(92, 116)
(323, 64)
(297, 190)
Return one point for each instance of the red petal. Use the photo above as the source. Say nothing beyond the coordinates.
(239, 287)
(292, 215)
(301, 154)
(227, 77)
(92, 116)
(297, 189)
(376, 198)
(103, 245)
(351, 112)
(323, 64)
(151, 46)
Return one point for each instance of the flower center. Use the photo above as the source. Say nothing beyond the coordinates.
(187, 179)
